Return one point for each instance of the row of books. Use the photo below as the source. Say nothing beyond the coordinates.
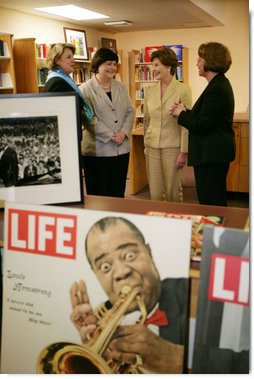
(144, 55)
(41, 50)
(140, 93)
(42, 74)
(144, 72)
(81, 75)
(140, 110)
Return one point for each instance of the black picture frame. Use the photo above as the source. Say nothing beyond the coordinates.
(44, 128)
(109, 43)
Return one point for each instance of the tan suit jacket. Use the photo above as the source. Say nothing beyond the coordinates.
(162, 129)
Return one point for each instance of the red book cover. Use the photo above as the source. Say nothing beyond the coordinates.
(149, 50)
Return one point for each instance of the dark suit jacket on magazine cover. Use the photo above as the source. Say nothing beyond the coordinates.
(174, 302)
(9, 167)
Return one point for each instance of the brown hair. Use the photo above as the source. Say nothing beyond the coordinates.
(102, 55)
(217, 57)
(167, 57)
(55, 52)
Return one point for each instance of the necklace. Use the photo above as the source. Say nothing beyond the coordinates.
(104, 87)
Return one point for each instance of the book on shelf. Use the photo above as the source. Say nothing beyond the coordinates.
(178, 49)
(45, 257)
(1, 48)
(41, 50)
(198, 223)
(144, 73)
(149, 50)
(91, 52)
(42, 74)
(179, 72)
(222, 338)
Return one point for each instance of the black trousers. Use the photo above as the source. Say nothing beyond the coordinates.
(211, 183)
(106, 176)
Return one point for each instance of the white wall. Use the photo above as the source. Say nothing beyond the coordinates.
(235, 34)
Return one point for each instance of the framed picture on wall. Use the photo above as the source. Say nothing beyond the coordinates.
(40, 149)
(109, 43)
(77, 38)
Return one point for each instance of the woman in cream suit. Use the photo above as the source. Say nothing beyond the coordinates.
(166, 143)
(105, 143)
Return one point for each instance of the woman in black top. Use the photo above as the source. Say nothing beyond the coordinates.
(60, 62)
(210, 125)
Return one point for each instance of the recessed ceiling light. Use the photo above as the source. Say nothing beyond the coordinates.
(118, 23)
(73, 12)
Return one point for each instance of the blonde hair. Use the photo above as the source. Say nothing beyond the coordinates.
(55, 52)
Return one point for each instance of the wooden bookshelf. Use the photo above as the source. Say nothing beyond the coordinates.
(141, 77)
(26, 65)
(238, 175)
(7, 70)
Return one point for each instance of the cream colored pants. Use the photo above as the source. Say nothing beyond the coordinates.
(163, 176)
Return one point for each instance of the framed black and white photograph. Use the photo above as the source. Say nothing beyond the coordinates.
(40, 149)
(109, 43)
(77, 38)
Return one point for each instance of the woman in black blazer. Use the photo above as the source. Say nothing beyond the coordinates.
(210, 125)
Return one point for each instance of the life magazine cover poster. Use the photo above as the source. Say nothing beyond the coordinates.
(93, 292)
(222, 338)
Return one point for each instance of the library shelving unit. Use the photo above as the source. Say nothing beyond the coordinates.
(29, 65)
(7, 70)
(141, 76)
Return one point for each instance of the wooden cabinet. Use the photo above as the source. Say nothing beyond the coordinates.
(238, 175)
(7, 70)
(137, 165)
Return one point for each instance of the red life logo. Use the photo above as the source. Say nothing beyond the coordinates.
(229, 279)
(43, 233)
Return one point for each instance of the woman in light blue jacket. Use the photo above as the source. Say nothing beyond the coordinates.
(166, 143)
(106, 144)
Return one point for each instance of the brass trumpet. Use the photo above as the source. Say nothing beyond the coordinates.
(68, 358)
